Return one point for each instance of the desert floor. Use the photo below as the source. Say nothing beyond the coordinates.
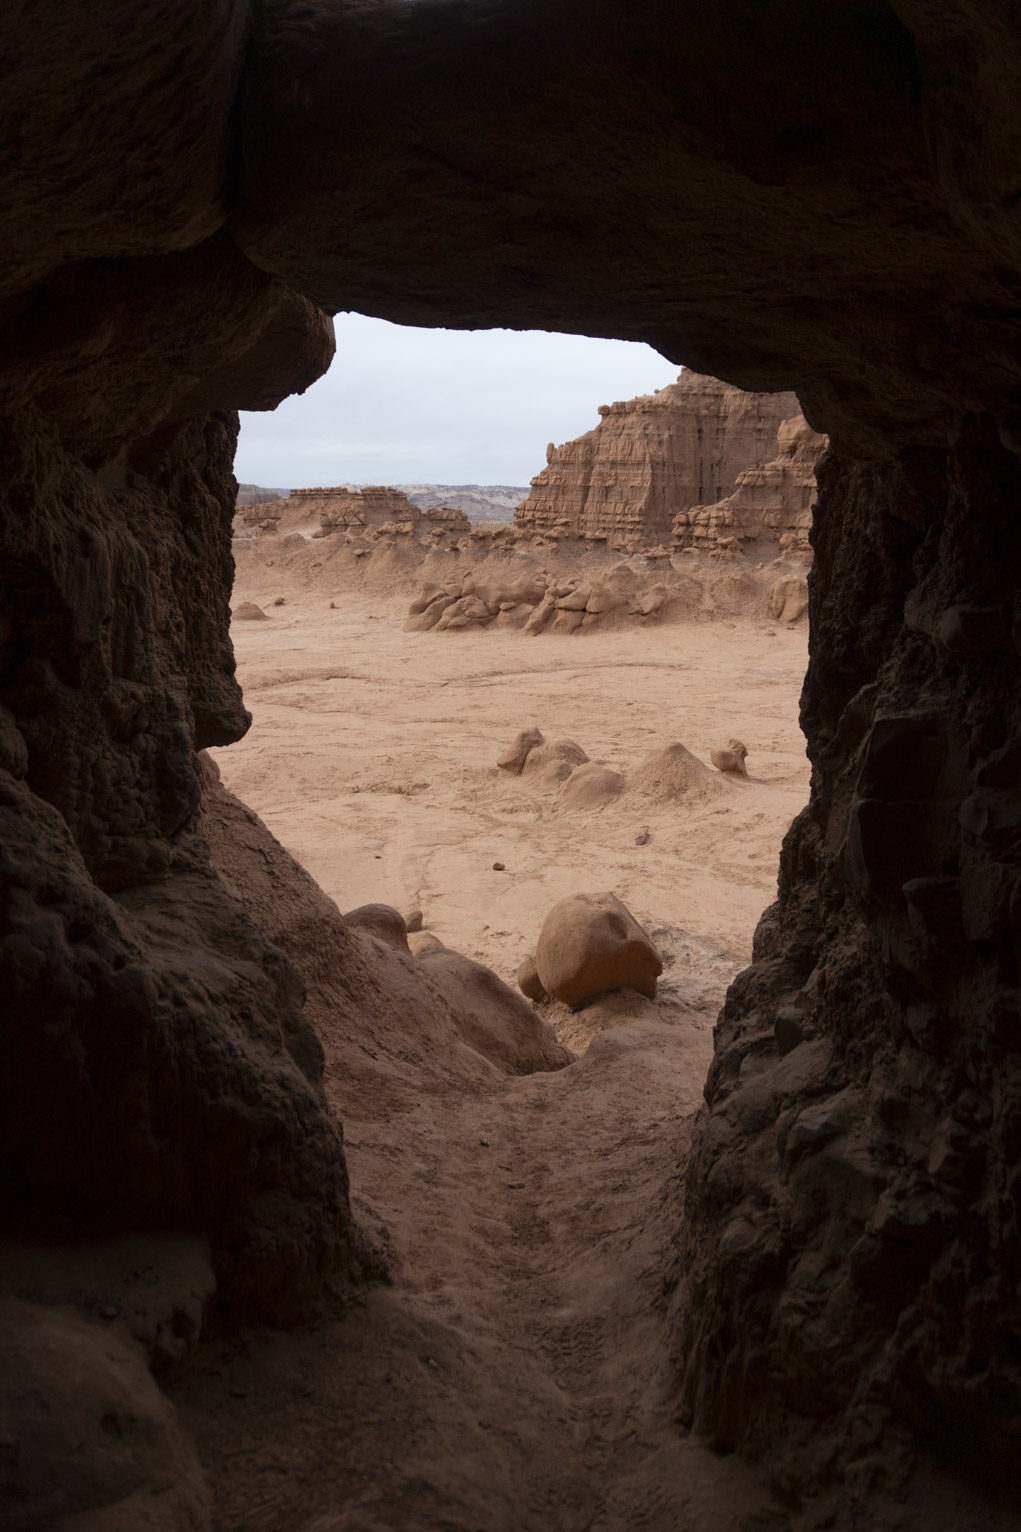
(373, 752)
(518, 1373)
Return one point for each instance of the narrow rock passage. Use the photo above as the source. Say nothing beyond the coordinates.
(515, 1375)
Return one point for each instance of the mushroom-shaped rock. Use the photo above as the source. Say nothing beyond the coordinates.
(590, 943)
(529, 982)
(730, 759)
(382, 921)
(514, 757)
(590, 785)
(247, 611)
(553, 761)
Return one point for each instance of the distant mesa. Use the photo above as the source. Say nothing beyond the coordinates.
(255, 494)
(654, 458)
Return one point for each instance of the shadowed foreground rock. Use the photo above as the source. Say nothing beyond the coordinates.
(185, 192)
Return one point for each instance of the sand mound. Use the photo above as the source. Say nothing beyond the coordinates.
(247, 611)
(554, 761)
(673, 772)
(490, 1017)
(590, 786)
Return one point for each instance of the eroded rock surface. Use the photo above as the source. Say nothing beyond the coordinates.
(590, 943)
(771, 505)
(846, 223)
(652, 458)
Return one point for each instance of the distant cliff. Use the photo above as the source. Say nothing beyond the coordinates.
(655, 456)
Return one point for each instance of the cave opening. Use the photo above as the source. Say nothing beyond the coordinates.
(790, 1303)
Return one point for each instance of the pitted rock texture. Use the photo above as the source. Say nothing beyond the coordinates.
(843, 222)
(852, 1186)
(138, 993)
(654, 457)
(858, 185)
(771, 507)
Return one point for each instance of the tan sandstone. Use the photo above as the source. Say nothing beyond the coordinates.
(590, 943)
(652, 457)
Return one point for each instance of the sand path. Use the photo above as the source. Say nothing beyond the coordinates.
(516, 1376)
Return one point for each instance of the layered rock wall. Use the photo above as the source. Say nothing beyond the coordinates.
(652, 457)
(771, 506)
(341, 509)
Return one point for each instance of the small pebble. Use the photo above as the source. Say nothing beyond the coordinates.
(515, 1186)
(108, 1312)
(279, 601)
(484, 1142)
(431, 1361)
(644, 838)
(499, 867)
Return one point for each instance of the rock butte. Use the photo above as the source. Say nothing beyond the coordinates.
(652, 458)
(826, 204)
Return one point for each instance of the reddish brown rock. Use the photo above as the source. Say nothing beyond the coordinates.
(590, 943)
(770, 510)
(652, 457)
(343, 509)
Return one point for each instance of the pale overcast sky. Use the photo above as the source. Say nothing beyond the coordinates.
(402, 405)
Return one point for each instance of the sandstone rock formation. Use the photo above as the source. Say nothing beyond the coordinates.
(529, 982)
(382, 921)
(845, 223)
(590, 943)
(353, 509)
(447, 518)
(249, 495)
(732, 758)
(590, 785)
(771, 506)
(652, 458)
(513, 758)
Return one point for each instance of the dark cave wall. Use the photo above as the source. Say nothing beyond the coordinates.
(854, 1202)
(157, 1068)
(822, 198)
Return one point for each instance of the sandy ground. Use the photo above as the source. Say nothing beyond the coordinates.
(372, 757)
(516, 1375)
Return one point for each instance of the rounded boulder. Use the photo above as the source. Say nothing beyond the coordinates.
(590, 943)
